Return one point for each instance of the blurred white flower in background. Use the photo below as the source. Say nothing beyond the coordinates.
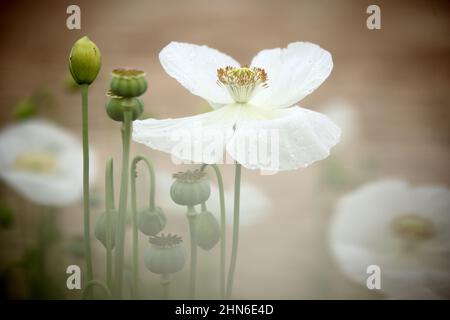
(405, 230)
(42, 162)
(255, 207)
(345, 116)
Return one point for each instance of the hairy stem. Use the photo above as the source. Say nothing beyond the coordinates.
(165, 283)
(110, 207)
(134, 212)
(86, 202)
(120, 234)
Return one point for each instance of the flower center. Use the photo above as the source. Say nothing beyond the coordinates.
(413, 228)
(242, 83)
(36, 162)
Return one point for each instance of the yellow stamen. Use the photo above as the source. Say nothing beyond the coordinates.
(242, 82)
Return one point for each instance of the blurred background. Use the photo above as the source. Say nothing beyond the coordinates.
(389, 92)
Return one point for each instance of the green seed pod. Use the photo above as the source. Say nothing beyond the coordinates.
(165, 255)
(84, 61)
(151, 222)
(115, 108)
(190, 188)
(100, 228)
(128, 83)
(207, 232)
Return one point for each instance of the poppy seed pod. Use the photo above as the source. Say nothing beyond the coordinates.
(151, 222)
(190, 188)
(207, 232)
(84, 61)
(115, 107)
(165, 255)
(100, 228)
(128, 83)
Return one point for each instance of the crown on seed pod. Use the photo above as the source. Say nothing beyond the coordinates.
(190, 188)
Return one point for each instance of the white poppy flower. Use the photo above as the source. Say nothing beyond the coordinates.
(402, 229)
(256, 207)
(42, 162)
(255, 118)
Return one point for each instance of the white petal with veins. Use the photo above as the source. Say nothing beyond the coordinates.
(201, 138)
(293, 73)
(288, 139)
(195, 67)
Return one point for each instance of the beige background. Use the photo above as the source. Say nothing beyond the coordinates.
(396, 81)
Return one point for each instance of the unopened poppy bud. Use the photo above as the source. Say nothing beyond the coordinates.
(207, 230)
(84, 61)
(151, 222)
(100, 228)
(165, 255)
(190, 188)
(115, 108)
(128, 83)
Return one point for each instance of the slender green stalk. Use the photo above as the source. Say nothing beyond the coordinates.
(165, 283)
(134, 211)
(222, 229)
(94, 283)
(42, 249)
(120, 234)
(234, 248)
(86, 202)
(192, 215)
(110, 207)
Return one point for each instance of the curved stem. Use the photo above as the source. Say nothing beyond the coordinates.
(120, 234)
(110, 207)
(192, 214)
(134, 217)
(222, 228)
(165, 283)
(234, 249)
(151, 173)
(86, 202)
(93, 283)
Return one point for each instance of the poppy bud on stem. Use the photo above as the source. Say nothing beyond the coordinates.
(84, 65)
(150, 221)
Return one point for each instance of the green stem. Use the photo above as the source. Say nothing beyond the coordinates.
(110, 207)
(42, 249)
(192, 214)
(222, 229)
(234, 248)
(86, 202)
(165, 283)
(92, 284)
(119, 256)
(134, 211)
